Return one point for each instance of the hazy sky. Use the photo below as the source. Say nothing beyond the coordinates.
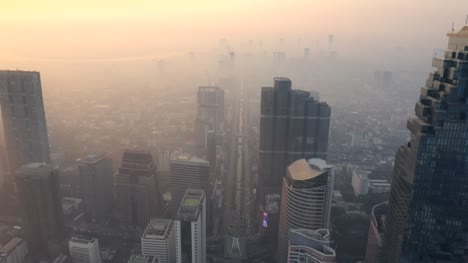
(107, 28)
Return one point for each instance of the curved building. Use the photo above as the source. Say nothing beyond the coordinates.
(376, 228)
(306, 200)
(310, 246)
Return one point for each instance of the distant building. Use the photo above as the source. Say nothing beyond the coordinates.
(190, 226)
(427, 210)
(187, 171)
(293, 125)
(38, 193)
(24, 120)
(210, 113)
(306, 200)
(375, 237)
(71, 205)
(84, 250)
(158, 240)
(136, 189)
(142, 259)
(96, 185)
(14, 251)
(310, 246)
(360, 182)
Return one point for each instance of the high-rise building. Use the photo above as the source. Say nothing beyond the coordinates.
(38, 193)
(14, 250)
(210, 113)
(376, 229)
(187, 171)
(305, 201)
(24, 120)
(84, 250)
(427, 216)
(310, 246)
(293, 126)
(158, 240)
(96, 185)
(136, 188)
(190, 228)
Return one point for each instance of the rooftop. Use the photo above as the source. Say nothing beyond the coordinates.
(35, 169)
(191, 204)
(82, 240)
(158, 228)
(462, 33)
(188, 158)
(142, 259)
(93, 158)
(301, 170)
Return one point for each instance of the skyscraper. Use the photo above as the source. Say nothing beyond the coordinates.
(38, 194)
(158, 240)
(293, 125)
(376, 229)
(136, 189)
(305, 200)
(210, 112)
(84, 250)
(310, 246)
(190, 228)
(96, 185)
(187, 171)
(428, 206)
(24, 119)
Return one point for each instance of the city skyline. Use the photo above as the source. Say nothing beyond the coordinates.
(246, 132)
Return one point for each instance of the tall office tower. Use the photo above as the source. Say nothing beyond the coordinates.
(136, 188)
(376, 228)
(96, 185)
(187, 171)
(211, 150)
(38, 193)
(293, 125)
(158, 240)
(190, 228)
(210, 113)
(305, 201)
(84, 250)
(24, 121)
(428, 205)
(310, 246)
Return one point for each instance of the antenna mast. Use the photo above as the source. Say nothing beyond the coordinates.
(466, 21)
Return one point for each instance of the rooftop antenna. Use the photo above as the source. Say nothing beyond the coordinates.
(466, 21)
(453, 26)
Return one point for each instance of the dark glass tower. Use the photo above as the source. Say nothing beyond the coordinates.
(39, 198)
(428, 206)
(137, 194)
(23, 118)
(294, 125)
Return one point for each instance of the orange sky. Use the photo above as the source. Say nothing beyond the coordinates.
(58, 28)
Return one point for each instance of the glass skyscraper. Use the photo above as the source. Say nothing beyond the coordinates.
(428, 208)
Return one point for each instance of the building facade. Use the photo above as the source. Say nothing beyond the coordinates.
(306, 200)
(137, 194)
(310, 246)
(38, 193)
(376, 229)
(24, 120)
(190, 228)
(96, 185)
(210, 113)
(158, 240)
(187, 171)
(428, 205)
(84, 250)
